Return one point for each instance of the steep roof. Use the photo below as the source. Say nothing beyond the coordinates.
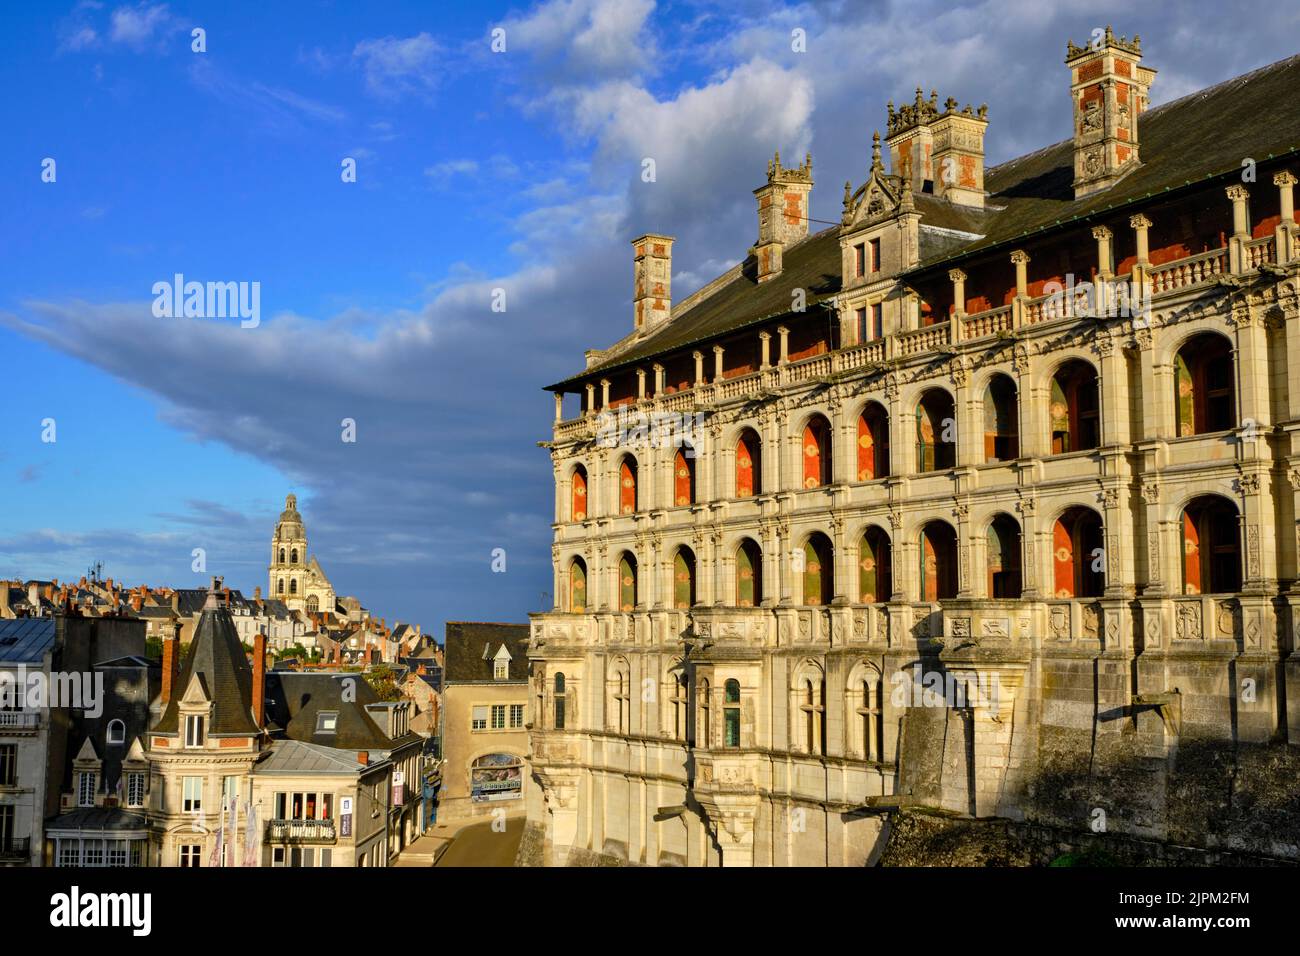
(1184, 142)
(294, 701)
(471, 648)
(216, 657)
(26, 639)
(297, 757)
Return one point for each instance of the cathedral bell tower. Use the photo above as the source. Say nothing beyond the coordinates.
(288, 571)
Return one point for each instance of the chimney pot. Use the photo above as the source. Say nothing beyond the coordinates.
(652, 273)
(259, 680)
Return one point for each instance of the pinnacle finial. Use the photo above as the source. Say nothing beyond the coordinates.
(875, 150)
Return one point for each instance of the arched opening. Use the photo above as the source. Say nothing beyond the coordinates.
(818, 570)
(1211, 546)
(559, 701)
(749, 574)
(1204, 398)
(1073, 408)
(282, 555)
(1078, 554)
(873, 442)
(749, 472)
(618, 687)
(496, 777)
(279, 586)
(627, 582)
(293, 585)
(865, 692)
(731, 713)
(816, 452)
(578, 500)
(1004, 557)
(116, 732)
(683, 478)
(627, 496)
(1001, 420)
(677, 700)
(936, 431)
(293, 556)
(313, 603)
(684, 578)
(577, 586)
(812, 704)
(875, 567)
(938, 561)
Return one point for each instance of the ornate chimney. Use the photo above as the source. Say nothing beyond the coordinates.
(652, 300)
(782, 213)
(1109, 89)
(959, 153)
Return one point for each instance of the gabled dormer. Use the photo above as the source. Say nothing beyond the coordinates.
(501, 664)
(195, 714)
(878, 228)
(87, 772)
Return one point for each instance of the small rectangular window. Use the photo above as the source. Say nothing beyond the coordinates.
(478, 719)
(192, 794)
(194, 731)
(500, 670)
(327, 722)
(859, 260)
(875, 255)
(135, 789)
(86, 789)
(8, 765)
(498, 716)
(516, 715)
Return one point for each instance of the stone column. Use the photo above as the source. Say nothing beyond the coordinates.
(1105, 254)
(699, 366)
(591, 398)
(717, 363)
(958, 279)
(1286, 229)
(640, 385)
(659, 379)
(559, 406)
(782, 331)
(765, 339)
(1240, 228)
(604, 393)
(1020, 259)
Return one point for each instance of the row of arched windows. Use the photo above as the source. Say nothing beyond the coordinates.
(1211, 552)
(1204, 402)
(293, 586)
(293, 556)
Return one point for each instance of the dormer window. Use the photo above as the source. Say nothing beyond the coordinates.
(501, 664)
(327, 722)
(86, 785)
(194, 731)
(116, 732)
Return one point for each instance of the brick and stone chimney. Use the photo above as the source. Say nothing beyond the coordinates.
(782, 213)
(652, 271)
(259, 679)
(1109, 89)
(170, 667)
(911, 140)
(958, 154)
(257, 593)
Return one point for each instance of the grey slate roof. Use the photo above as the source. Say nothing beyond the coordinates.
(1183, 142)
(26, 640)
(294, 699)
(465, 643)
(217, 657)
(97, 818)
(295, 756)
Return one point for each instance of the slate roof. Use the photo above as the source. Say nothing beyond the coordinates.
(465, 642)
(1183, 143)
(26, 639)
(217, 657)
(296, 757)
(97, 818)
(293, 701)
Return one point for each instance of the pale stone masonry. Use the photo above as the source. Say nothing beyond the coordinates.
(928, 455)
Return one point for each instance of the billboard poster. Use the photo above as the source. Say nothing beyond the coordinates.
(345, 817)
(496, 777)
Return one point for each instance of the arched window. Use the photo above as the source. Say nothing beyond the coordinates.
(873, 442)
(875, 566)
(1211, 546)
(749, 478)
(559, 701)
(627, 500)
(684, 578)
(816, 452)
(293, 556)
(683, 478)
(936, 431)
(282, 555)
(620, 698)
(293, 585)
(1001, 420)
(677, 700)
(818, 570)
(116, 733)
(731, 713)
(938, 561)
(1203, 380)
(577, 585)
(865, 694)
(812, 704)
(627, 582)
(279, 586)
(703, 735)
(749, 574)
(1004, 557)
(313, 603)
(1078, 563)
(1076, 423)
(578, 500)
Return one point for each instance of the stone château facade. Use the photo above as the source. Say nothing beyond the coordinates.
(990, 508)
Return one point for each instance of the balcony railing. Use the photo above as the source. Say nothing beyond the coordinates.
(1188, 272)
(19, 721)
(985, 323)
(1260, 251)
(15, 847)
(300, 831)
(924, 339)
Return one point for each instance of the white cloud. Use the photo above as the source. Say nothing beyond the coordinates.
(135, 26)
(394, 67)
(586, 39)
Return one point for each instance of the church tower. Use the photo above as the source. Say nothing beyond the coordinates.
(288, 572)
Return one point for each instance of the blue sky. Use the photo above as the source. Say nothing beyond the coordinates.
(476, 170)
